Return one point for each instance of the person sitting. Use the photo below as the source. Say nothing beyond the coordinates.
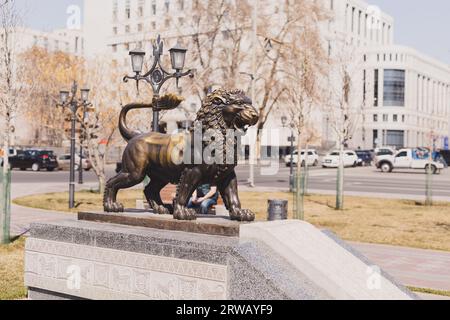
(204, 198)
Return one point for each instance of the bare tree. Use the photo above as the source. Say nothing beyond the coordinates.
(216, 43)
(45, 74)
(343, 106)
(304, 66)
(108, 94)
(282, 41)
(10, 85)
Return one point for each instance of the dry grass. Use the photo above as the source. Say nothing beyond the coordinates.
(430, 291)
(11, 271)
(384, 221)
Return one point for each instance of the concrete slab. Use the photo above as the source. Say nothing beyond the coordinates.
(326, 261)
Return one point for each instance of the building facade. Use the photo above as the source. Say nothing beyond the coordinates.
(408, 100)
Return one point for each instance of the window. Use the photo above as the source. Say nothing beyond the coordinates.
(154, 8)
(375, 89)
(395, 138)
(403, 118)
(115, 9)
(128, 10)
(385, 117)
(167, 6)
(141, 8)
(181, 4)
(394, 88)
(395, 118)
(140, 28)
(403, 154)
(127, 29)
(375, 118)
(115, 30)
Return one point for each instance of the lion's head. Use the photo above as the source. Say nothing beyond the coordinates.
(224, 109)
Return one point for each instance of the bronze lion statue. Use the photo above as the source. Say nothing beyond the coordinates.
(175, 158)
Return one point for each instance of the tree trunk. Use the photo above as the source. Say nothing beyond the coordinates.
(340, 180)
(5, 196)
(101, 184)
(299, 193)
(429, 183)
(305, 184)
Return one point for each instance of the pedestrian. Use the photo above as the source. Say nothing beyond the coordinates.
(204, 198)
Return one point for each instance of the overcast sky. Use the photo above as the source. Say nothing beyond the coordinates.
(421, 24)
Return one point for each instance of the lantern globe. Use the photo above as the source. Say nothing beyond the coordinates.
(178, 57)
(137, 60)
(85, 94)
(63, 96)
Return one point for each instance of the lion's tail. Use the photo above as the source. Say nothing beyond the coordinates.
(126, 132)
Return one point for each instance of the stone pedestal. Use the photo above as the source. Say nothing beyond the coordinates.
(102, 260)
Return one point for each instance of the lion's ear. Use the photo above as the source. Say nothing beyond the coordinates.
(169, 101)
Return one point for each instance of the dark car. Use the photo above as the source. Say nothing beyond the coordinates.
(445, 154)
(35, 160)
(366, 157)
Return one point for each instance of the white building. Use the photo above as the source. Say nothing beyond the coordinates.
(68, 41)
(409, 99)
(23, 39)
(406, 94)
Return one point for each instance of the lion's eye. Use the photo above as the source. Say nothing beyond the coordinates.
(218, 101)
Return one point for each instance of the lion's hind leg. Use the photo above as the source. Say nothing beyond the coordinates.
(153, 194)
(123, 180)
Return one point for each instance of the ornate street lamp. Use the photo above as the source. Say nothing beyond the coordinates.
(69, 100)
(157, 75)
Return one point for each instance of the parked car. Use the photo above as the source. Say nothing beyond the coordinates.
(64, 162)
(332, 159)
(418, 158)
(35, 160)
(365, 157)
(12, 153)
(312, 158)
(445, 155)
(385, 151)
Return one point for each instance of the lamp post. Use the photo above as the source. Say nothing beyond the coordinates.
(84, 98)
(69, 100)
(157, 75)
(291, 139)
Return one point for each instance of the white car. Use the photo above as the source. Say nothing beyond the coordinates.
(332, 159)
(312, 158)
(64, 162)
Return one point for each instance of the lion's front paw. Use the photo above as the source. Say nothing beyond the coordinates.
(113, 207)
(183, 213)
(242, 215)
(162, 210)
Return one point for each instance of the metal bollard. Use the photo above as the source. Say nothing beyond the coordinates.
(278, 210)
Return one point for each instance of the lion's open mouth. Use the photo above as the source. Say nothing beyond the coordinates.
(240, 125)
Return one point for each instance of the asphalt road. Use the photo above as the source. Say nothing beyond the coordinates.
(357, 180)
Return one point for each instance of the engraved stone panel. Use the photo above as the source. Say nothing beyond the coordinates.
(113, 274)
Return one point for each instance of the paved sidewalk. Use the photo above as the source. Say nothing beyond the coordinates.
(22, 217)
(411, 267)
